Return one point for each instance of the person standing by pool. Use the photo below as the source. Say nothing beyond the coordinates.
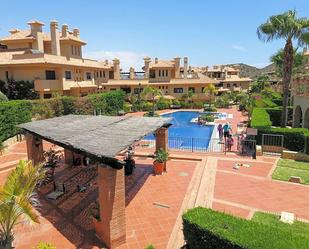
(220, 130)
(227, 129)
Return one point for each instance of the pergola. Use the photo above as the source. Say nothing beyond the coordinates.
(100, 138)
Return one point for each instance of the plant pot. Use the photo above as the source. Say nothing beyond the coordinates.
(158, 167)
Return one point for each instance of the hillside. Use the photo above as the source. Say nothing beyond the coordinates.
(253, 72)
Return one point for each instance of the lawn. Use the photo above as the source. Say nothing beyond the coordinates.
(274, 220)
(287, 168)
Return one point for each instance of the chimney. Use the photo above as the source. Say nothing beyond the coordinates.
(131, 73)
(185, 67)
(64, 30)
(36, 31)
(116, 66)
(156, 60)
(14, 31)
(177, 67)
(106, 62)
(76, 32)
(146, 67)
(54, 35)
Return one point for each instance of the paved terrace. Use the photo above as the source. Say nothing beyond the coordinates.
(200, 179)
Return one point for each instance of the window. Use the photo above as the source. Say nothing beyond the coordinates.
(159, 73)
(178, 90)
(79, 48)
(136, 90)
(7, 75)
(228, 85)
(100, 74)
(192, 89)
(50, 75)
(88, 76)
(68, 75)
(72, 50)
(235, 84)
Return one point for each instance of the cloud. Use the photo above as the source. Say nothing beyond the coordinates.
(127, 58)
(239, 48)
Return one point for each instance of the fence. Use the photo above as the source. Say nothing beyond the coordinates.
(272, 144)
(188, 144)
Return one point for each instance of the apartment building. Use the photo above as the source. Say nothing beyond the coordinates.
(300, 93)
(53, 60)
(227, 76)
(172, 77)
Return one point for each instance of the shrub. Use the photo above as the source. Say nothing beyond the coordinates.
(198, 104)
(185, 104)
(83, 106)
(208, 117)
(3, 97)
(163, 104)
(210, 109)
(150, 247)
(68, 105)
(175, 102)
(206, 228)
(41, 109)
(43, 245)
(13, 113)
(14, 89)
(222, 102)
(260, 118)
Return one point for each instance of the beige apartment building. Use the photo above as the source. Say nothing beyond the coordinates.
(227, 76)
(300, 93)
(54, 61)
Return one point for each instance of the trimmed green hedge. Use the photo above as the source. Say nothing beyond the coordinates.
(13, 113)
(260, 117)
(21, 111)
(207, 229)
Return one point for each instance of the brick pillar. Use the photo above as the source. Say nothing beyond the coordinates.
(34, 149)
(68, 157)
(112, 227)
(162, 139)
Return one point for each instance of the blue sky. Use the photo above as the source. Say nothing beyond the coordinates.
(208, 32)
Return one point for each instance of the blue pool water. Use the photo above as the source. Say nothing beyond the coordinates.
(186, 135)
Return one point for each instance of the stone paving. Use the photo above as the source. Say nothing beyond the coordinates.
(66, 223)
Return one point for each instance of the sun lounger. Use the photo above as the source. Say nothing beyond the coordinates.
(59, 190)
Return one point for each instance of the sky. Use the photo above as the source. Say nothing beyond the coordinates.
(208, 32)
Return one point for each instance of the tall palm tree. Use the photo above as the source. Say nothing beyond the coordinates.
(17, 199)
(152, 93)
(210, 90)
(289, 27)
(298, 61)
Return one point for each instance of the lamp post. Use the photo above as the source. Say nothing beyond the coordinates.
(139, 96)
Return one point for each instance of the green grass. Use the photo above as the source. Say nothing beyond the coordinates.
(287, 168)
(206, 228)
(274, 220)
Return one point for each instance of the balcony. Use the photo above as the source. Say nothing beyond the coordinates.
(48, 85)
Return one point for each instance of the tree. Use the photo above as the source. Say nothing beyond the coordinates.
(289, 27)
(18, 89)
(152, 93)
(260, 84)
(17, 199)
(298, 61)
(188, 96)
(210, 90)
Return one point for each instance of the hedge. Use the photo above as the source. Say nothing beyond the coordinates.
(260, 118)
(13, 113)
(21, 111)
(207, 229)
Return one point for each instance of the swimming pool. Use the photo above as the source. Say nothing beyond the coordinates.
(186, 135)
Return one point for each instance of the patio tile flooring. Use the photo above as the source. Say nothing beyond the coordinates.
(66, 222)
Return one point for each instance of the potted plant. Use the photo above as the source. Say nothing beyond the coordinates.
(160, 158)
(51, 160)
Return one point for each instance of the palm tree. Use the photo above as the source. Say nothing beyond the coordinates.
(298, 61)
(17, 199)
(289, 27)
(210, 90)
(152, 93)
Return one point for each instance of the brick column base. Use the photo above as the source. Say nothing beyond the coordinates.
(112, 227)
(34, 149)
(162, 139)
